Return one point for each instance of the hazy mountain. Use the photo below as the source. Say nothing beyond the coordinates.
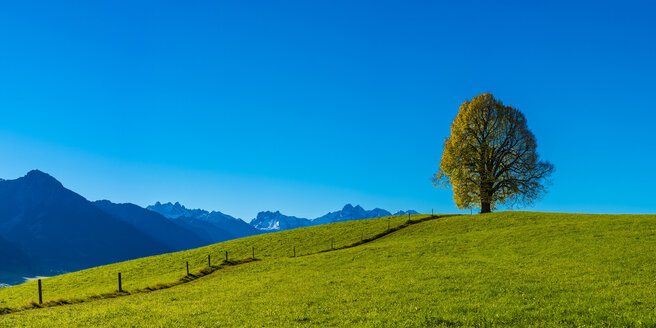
(154, 225)
(348, 213)
(174, 211)
(60, 230)
(12, 259)
(206, 230)
(406, 212)
(235, 227)
(14, 264)
(275, 221)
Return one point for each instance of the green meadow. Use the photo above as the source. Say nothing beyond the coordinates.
(502, 269)
(169, 268)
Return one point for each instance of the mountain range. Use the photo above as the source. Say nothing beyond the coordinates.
(58, 230)
(47, 229)
(235, 228)
(275, 221)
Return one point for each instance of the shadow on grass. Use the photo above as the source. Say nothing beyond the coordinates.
(382, 234)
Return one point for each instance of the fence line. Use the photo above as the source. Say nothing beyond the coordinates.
(210, 269)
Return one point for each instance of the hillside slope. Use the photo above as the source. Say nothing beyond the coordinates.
(501, 269)
(150, 271)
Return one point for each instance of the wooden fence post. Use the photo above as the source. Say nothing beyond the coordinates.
(226, 256)
(120, 286)
(294, 251)
(253, 248)
(187, 267)
(40, 297)
(209, 262)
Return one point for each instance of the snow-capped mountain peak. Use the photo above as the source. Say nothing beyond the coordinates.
(268, 221)
(276, 221)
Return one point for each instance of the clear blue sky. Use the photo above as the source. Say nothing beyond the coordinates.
(303, 106)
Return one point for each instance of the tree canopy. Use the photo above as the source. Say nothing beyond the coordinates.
(490, 157)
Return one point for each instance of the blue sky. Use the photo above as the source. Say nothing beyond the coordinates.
(303, 106)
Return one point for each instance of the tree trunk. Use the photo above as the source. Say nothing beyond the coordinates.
(485, 207)
(486, 197)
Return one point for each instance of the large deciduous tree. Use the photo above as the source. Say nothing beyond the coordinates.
(490, 157)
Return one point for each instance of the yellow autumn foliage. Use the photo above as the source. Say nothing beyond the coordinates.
(490, 157)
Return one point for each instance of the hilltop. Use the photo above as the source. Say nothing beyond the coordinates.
(501, 269)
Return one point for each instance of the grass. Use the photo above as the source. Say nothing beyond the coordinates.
(503, 269)
(167, 269)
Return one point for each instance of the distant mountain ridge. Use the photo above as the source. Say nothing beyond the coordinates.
(236, 227)
(155, 225)
(275, 221)
(206, 230)
(58, 230)
(268, 221)
(406, 212)
(48, 229)
(174, 211)
(350, 212)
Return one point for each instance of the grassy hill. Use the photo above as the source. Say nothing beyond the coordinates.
(500, 269)
(168, 268)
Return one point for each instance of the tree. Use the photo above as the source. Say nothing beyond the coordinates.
(490, 157)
